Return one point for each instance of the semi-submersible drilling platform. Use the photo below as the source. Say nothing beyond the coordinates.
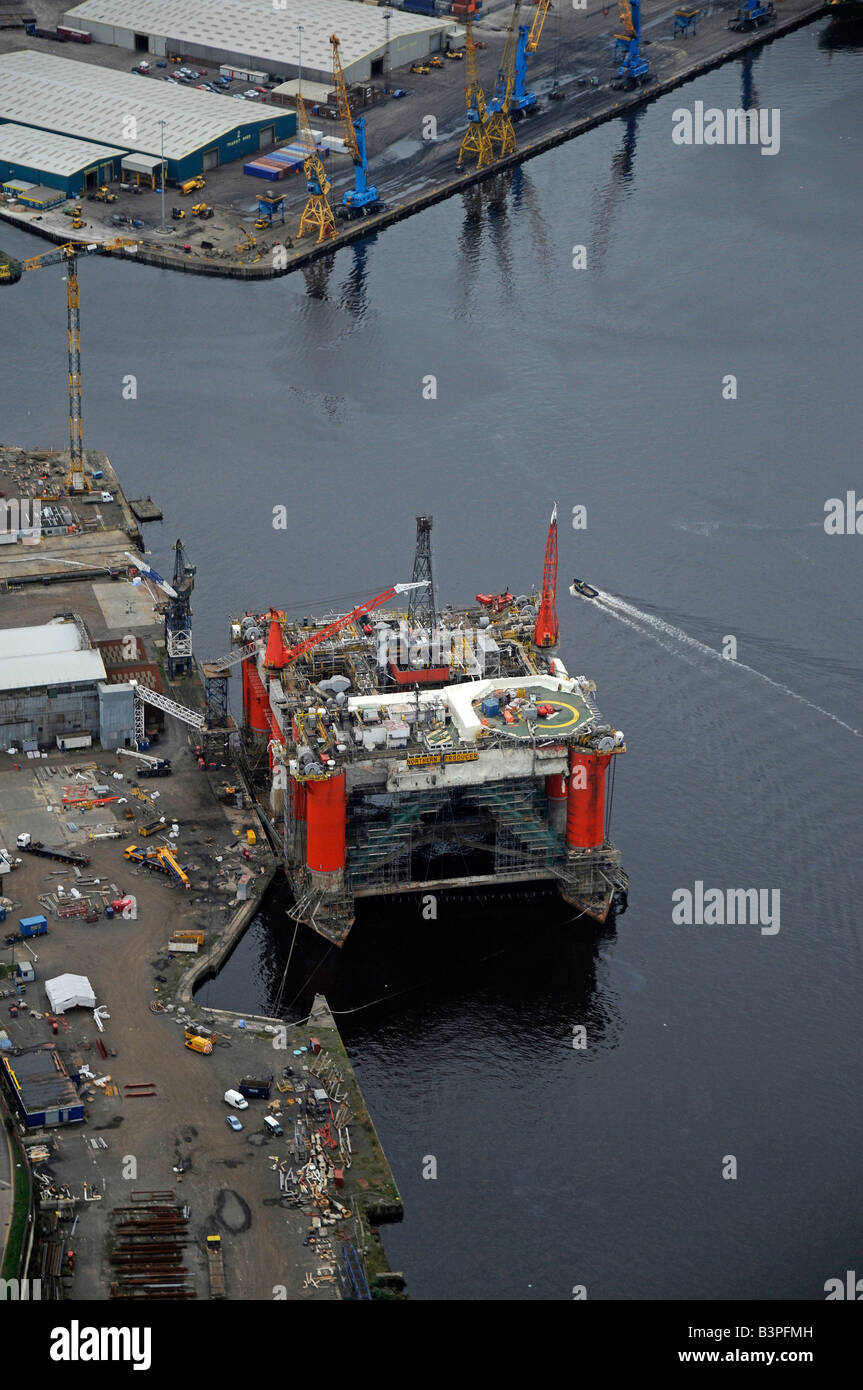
(422, 750)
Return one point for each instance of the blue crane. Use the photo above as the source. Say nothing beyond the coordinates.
(363, 197)
(634, 70)
(752, 15)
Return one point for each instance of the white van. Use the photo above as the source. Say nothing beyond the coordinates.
(272, 1124)
(234, 1098)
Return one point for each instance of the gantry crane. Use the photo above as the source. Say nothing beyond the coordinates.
(76, 480)
(362, 199)
(317, 212)
(476, 140)
(634, 71)
(500, 129)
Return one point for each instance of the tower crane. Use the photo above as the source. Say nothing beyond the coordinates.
(546, 631)
(634, 71)
(67, 254)
(317, 212)
(362, 199)
(476, 139)
(500, 129)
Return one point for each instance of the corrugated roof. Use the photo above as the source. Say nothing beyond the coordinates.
(258, 28)
(51, 153)
(47, 638)
(24, 672)
(83, 100)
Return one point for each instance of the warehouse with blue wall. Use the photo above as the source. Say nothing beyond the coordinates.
(195, 131)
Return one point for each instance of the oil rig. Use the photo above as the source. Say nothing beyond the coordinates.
(415, 750)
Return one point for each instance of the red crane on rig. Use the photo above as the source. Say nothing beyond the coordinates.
(278, 655)
(546, 630)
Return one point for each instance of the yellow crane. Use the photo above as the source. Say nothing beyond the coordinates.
(67, 254)
(500, 128)
(317, 212)
(535, 34)
(475, 140)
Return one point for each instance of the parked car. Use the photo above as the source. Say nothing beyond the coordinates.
(400, 92)
(232, 1122)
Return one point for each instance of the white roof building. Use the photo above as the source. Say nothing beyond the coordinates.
(49, 152)
(53, 654)
(262, 34)
(95, 103)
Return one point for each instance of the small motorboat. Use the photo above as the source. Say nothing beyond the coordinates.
(580, 586)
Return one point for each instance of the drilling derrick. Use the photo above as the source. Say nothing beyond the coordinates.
(546, 631)
(422, 611)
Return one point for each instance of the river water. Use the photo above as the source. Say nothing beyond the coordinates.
(556, 1165)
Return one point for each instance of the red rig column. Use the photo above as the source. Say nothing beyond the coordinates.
(585, 807)
(555, 790)
(326, 811)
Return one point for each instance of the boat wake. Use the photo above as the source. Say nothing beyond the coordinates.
(680, 644)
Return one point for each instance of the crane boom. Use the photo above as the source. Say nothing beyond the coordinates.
(535, 34)
(344, 105)
(294, 653)
(68, 253)
(545, 632)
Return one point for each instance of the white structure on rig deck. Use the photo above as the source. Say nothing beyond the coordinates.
(262, 34)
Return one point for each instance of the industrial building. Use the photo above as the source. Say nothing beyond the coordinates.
(41, 1088)
(262, 34)
(54, 690)
(55, 161)
(196, 131)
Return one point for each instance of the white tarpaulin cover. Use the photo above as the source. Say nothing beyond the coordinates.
(69, 992)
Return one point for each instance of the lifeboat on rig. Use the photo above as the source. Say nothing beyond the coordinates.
(495, 602)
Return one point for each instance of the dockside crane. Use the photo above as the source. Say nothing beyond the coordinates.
(752, 15)
(499, 127)
(528, 42)
(67, 254)
(362, 199)
(476, 139)
(546, 630)
(317, 213)
(634, 71)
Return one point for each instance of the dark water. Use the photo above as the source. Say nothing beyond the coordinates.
(556, 1166)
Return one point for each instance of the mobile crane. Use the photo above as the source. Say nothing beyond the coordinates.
(153, 767)
(362, 199)
(67, 254)
(634, 71)
(500, 128)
